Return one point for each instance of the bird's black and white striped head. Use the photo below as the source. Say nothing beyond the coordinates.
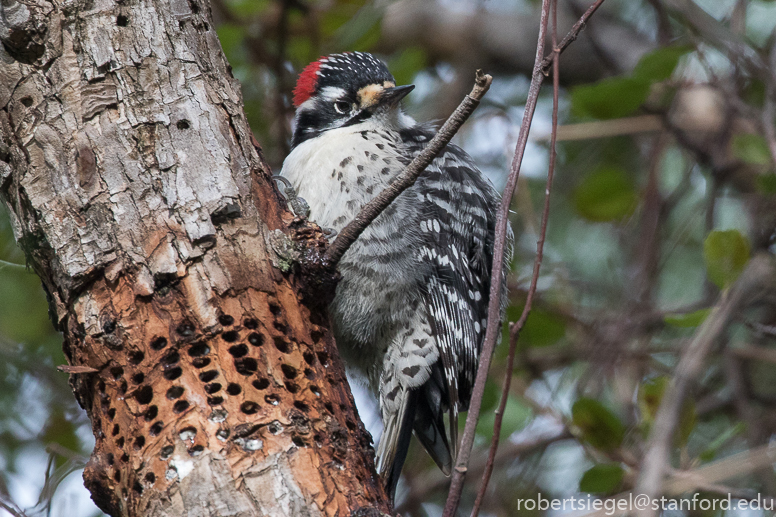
(343, 90)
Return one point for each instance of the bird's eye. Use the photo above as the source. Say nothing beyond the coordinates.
(342, 107)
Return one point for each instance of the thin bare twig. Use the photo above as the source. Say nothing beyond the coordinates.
(754, 353)
(570, 37)
(647, 248)
(434, 480)
(769, 108)
(744, 494)
(408, 176)
(494, 305)
(11, 508)
(758, 275)
(734, 374)
(514, 330)
(607, 128)
(761, 328)
(16, 267)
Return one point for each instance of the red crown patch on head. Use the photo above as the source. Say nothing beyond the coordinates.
(305, 85)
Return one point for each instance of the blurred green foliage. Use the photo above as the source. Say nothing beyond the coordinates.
(725, 253)
(607, 194)
(603, 479)
(40, 412)
(689, 319)
(650, 396)
(631, 91)
(599, 426)
(751, 149)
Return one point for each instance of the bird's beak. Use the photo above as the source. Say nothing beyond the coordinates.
(392, 96)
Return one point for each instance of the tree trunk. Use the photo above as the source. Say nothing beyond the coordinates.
(209, 375)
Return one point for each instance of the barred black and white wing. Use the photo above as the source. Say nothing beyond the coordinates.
(429, 368)
(457, 222)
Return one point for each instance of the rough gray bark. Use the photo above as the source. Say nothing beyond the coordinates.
(140, 200)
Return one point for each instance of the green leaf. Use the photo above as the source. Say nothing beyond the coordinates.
(766, 183)
(687, 319)
(659, 64)
(751, 148)
(600, 427)
(725, 254)
(606, 195)
(649, 397)
(611, 98)
(604, 479)
(620, 96)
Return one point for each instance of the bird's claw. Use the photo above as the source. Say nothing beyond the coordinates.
(297, 204)
(330, 233)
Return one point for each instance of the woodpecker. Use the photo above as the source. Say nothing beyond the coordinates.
(411, 308)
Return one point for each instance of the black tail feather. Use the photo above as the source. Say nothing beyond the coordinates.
(429, 424)
(402, 445)
(426, 407)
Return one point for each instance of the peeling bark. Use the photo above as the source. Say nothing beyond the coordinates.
(136, 192)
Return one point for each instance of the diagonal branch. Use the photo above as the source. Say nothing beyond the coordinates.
(701, 478)
(432, 481)
(570, 37)
(720, 36)
(499, 248)
(514, 331)
(494, 321)
(759, 275)
(408, 176)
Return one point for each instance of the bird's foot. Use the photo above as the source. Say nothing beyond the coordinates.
(299, 206)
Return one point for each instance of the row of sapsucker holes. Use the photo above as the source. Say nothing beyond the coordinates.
(243, 364)
(144, 395)
(198, 351)
(292, 375)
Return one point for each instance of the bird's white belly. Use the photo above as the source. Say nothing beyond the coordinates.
(340, 171)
